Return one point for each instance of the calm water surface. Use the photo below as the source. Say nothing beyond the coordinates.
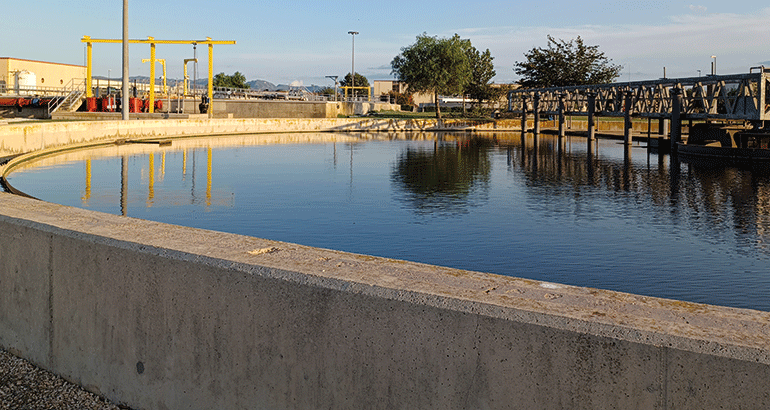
(609, 218)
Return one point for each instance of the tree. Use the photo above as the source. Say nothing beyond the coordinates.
(482, 72)
(361, 81)
(434, 65)
(237, 80)
(566, 63)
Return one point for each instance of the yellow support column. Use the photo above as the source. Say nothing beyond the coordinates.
(152, 76)
(89, 70)
(211, 79)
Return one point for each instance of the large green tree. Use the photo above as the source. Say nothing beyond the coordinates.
(434, 65)
(361, 81)
(237, 80)
(482, 71)
(565, 63)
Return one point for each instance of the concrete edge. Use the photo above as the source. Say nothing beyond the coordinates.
(719, 331)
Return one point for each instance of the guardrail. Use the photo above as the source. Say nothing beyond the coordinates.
(736, 97)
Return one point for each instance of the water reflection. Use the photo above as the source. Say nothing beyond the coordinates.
(600, 214)
(716, 199)
(450, 178)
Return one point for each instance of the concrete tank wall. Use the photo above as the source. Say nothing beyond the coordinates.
(26, 137)
(160, 316)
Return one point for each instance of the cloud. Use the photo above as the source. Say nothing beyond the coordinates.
(697, 8)
(682, 43)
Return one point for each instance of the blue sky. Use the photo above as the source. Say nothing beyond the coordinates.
(286, 41)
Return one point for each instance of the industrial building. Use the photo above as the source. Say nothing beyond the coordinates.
(29, 77)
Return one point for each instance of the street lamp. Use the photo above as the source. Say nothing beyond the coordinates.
(714, 66)
(125, 99)
(353, 62)
(698, 73)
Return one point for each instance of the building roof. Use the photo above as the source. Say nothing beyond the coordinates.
(44, 62)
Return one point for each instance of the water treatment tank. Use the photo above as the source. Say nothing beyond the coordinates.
(26, 82)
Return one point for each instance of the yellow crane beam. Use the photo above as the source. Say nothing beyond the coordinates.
(162, 62)
(152, 42)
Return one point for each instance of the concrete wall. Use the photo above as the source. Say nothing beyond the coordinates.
(24, 137)
(157, 316)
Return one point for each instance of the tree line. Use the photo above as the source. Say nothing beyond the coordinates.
(453, 66)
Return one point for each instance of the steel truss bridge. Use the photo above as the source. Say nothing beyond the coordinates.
(726, 97)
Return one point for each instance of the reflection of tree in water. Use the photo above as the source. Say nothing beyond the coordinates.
(721, 201)
(447, 179)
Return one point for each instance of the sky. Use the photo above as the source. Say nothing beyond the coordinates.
(302, 42)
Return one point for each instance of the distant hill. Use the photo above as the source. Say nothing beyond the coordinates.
(261, 85)
(202, 83)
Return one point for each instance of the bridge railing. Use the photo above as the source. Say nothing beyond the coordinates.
(736, 96)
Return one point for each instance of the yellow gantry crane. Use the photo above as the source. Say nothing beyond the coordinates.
(162, 62)
(152, 42)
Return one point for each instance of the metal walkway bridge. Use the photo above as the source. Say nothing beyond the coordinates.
(727, 97)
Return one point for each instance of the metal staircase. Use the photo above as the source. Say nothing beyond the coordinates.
(75, 91)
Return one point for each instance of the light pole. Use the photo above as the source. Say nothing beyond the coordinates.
(714, 66)
(125, 99)
(353, 63)
(109, 75)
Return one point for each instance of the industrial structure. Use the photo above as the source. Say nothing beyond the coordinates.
(721, 99)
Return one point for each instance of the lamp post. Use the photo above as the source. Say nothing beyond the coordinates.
(353, 63)
(714, 66)
(109, 75)
(125, 99)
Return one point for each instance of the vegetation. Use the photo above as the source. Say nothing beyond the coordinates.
(448, 66)
(361, 81)
(434, 65)
(482, 71)
(237, 80)
(566, 63)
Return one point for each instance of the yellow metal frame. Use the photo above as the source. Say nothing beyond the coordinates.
(162, 62)
(187, 77)
(368, 91)
(152, 42)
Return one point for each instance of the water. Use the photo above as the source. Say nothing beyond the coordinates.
(609, 218)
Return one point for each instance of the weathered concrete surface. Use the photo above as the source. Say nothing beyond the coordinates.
(161, 316)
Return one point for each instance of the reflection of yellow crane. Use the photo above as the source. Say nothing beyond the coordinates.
(151, 41)
(162, 62)
(187, 77)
